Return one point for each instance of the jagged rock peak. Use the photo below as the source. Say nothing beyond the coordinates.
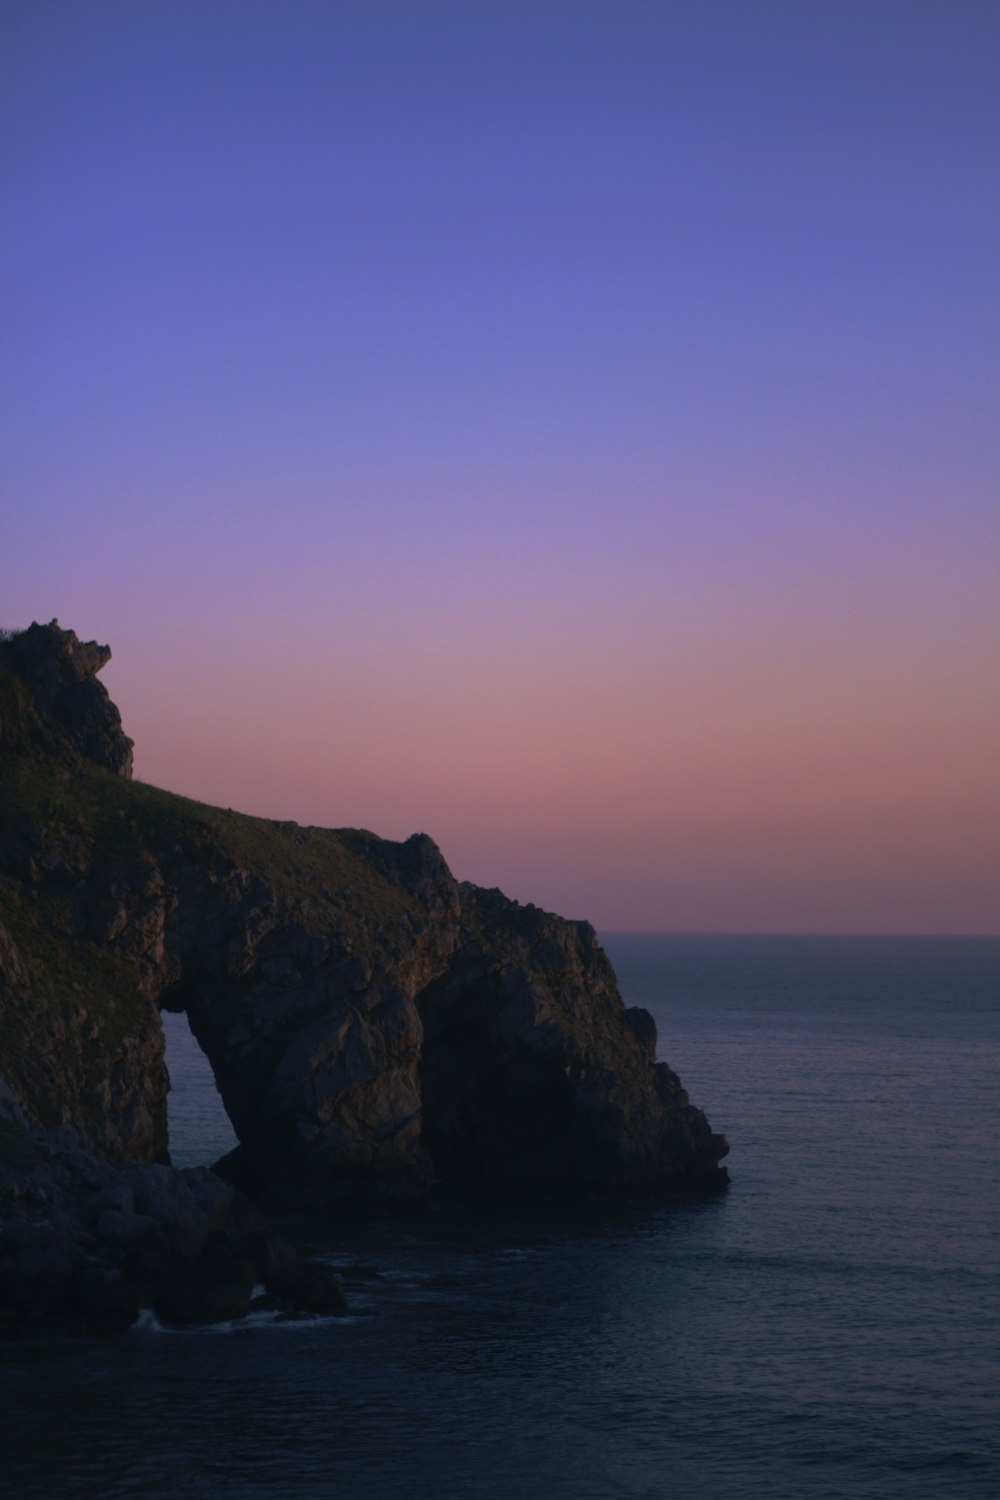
(68, 701)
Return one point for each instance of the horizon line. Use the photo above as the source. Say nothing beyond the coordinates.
(775, 933)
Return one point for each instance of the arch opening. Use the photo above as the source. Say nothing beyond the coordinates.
(198, 1129)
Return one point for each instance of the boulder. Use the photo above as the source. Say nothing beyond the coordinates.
(308, 1286)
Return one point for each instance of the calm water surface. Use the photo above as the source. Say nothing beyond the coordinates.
(828, 1327)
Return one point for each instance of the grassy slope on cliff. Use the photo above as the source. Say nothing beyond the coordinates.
(70, 833)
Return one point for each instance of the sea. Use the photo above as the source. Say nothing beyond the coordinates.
(827, 1328)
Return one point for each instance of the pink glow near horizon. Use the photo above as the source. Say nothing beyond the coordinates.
(577, 446)
(805, 775)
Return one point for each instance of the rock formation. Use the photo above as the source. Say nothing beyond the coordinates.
(70, 705)
(86, 1246)
(534, 1072)
(371, 1023)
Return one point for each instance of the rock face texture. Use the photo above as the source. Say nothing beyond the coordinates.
(305, 1006)
(71, 705)
(80, 1035)
(533, 1070)
(371, 1023)
(78, 1046)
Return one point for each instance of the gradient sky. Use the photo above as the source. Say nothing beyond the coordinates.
(567, 428)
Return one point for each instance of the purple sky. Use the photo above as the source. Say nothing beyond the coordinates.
(567, 428)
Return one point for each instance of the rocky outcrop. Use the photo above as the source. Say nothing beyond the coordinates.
(80, 1035)
(534, 1072)
(371, 1023)
(309, 1020)
(79, 1043)
(72, 706)
(86, 1246)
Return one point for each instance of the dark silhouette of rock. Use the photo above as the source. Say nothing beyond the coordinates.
(308, 1286)
(61, 673)
(370, 1023)
(305, 1007)
(534, 1072)
(86, 1246)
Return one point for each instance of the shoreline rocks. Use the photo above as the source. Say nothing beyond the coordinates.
(86, 1247)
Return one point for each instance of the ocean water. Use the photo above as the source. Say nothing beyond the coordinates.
(827, 1327)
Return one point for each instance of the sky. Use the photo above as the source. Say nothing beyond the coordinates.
(567, 428)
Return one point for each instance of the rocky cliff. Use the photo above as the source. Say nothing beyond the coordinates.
(371, 1023)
